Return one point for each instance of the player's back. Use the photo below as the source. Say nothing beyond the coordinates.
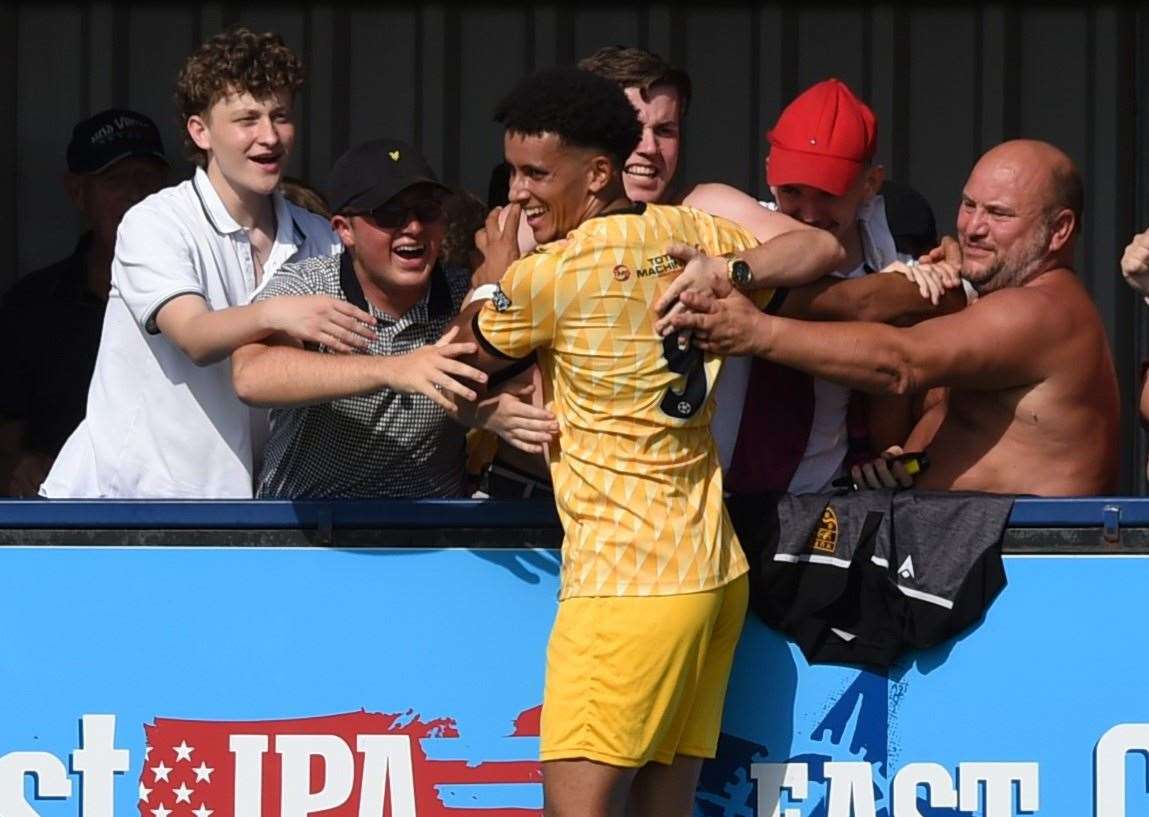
(636, 476)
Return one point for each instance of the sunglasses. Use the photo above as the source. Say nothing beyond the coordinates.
(394, 215)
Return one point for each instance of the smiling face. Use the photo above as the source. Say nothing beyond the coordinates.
(650, 169)
(248, 141)
(398, 245)
(818, 208)
(1003, 225)
(555, 183)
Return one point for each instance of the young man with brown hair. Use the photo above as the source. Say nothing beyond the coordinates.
(163, 419)
(661, 95)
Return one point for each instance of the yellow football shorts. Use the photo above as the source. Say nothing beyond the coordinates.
(634, 679)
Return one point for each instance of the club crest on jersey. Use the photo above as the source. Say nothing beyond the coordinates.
(825, 537)
(621, 272)
(500, 300)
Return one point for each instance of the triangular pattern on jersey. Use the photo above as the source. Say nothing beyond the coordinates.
(638, 489)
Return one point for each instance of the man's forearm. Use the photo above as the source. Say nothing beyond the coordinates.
(793, 258)
(209, 335)
(878, 297)
(286, 376)
(868, 357)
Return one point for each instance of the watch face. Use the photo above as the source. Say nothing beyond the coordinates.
(740, 272)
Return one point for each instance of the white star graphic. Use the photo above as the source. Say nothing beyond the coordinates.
(203, 772)
(183, 794)
(161, 772)
(183, 751)
(203, 811)
(161, 811)
(145, 792)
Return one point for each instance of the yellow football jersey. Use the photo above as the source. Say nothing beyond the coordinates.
(635, 473)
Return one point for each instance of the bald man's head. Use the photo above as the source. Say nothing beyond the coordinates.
(1053, 179)
(1021, 208)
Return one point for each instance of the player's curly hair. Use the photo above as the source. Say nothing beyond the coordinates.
(234, 61)
(581, 108)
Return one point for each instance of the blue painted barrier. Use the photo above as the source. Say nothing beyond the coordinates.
(311, 680)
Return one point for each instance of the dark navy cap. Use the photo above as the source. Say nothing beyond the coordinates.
(117, 133)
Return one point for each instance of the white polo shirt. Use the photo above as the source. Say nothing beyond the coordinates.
(157, 425)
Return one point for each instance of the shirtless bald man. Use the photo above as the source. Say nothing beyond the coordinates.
(1031, 401)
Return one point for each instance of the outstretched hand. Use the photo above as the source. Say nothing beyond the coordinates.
(322, 320)
(518, 421)
(1135, 263)
(724, 326)
(701, 274)
(433, 372)
(933, 280)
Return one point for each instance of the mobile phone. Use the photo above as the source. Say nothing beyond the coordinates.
(915, 462)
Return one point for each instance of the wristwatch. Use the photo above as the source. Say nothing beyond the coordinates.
(739, 273)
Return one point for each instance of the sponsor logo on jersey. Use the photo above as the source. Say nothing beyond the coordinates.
(826, 536)
(659, 265)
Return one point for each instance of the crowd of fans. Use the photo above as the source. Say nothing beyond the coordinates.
(241, 334)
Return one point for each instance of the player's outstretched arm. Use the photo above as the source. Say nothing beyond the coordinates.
(792, 262)
(789, 259)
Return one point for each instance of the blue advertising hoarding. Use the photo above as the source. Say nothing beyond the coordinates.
(289, 682)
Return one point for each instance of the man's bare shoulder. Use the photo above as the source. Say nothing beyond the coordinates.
(728, 202)
(1009, 337)
(1049, 307)
(713, 194)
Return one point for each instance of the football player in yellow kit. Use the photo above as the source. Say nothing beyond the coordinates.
(653, 590)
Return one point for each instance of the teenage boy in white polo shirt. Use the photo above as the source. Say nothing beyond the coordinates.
(163, 419)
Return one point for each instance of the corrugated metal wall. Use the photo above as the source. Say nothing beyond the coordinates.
(945, 82)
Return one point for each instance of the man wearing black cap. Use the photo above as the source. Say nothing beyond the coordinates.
(115, 159)
(342, 425)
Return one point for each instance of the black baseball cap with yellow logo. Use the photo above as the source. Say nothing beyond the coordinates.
(372, 173)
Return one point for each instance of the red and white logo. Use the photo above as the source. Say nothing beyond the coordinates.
(357, 764)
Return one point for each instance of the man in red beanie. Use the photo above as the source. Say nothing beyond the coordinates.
(821, 172)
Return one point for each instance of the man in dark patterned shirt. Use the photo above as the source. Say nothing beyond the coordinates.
(379, 423)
